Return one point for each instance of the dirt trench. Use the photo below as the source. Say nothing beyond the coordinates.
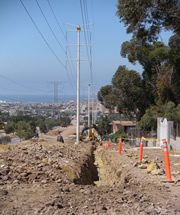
(100, 169)
(89, 171)
(139, 191)
(47, 178)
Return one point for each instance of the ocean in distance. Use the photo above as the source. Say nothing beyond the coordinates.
(38, 98)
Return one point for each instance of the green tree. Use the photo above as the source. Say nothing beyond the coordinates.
(23, 130)
(174, 61)
(43, 127)
(177, 114)
(130, 91)
(168, 110)
(33, 125)
(126, 92)
(145, 19)
(10, 128)
(104, 126)
(158, 72)
(161, 64)
(149, 119)
(64, 121)
(107, 96)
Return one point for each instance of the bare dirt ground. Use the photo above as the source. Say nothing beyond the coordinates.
(65, 132)
(45, 177)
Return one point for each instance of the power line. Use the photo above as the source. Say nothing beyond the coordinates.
(50, 27)
(54, 35)
(92, 11)
(41, 34)
(85, 18)
(64, 37)
(82, 13)
(91, 69)
(56, 19)
(45, 40)
(92, 47)
(22, 85)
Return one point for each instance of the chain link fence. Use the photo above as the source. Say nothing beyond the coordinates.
(134, 136)
(175, 131)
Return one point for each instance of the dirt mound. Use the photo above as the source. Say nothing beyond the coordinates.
(52, 178)
(54, 132)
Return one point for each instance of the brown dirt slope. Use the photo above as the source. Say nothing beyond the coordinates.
(49, 178)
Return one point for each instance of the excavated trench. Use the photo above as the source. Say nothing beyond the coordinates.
(99, 169)
(89, 174)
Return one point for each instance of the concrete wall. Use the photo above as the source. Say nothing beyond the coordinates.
(165, 131)
(175, 144)
(162, 130)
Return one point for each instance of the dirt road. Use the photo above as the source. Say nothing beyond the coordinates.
(65, 132)
(45, 177)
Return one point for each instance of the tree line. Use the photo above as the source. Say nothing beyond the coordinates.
(25, 127)
(155, 93)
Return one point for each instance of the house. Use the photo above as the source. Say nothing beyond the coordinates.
(126, 126)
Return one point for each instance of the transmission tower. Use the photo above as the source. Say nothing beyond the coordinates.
(56, 91)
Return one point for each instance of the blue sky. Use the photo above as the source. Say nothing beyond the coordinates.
(28, 66)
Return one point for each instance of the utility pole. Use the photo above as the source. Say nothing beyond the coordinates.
(78, 86)
(95, 114)
(78, 30)
(92, 107)
(89, 106)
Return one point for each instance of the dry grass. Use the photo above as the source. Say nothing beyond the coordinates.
(4, 147)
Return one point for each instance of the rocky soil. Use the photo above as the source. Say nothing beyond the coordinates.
(45, 177)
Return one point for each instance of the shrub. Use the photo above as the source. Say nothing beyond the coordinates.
(115, 137)
(10, 128)
(5, 140)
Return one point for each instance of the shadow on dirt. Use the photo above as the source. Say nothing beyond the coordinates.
(89, 172)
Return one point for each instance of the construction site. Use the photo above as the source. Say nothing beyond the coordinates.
(90, 107)
(43, 176)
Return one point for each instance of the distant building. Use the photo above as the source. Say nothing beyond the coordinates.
(126, 126)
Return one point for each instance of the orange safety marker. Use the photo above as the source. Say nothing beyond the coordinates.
(166, 159)
(109, 144)
(101, 143)
(141, 149)
(120, 144)
(105, 145)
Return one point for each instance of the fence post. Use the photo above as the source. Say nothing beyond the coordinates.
(177, 129)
